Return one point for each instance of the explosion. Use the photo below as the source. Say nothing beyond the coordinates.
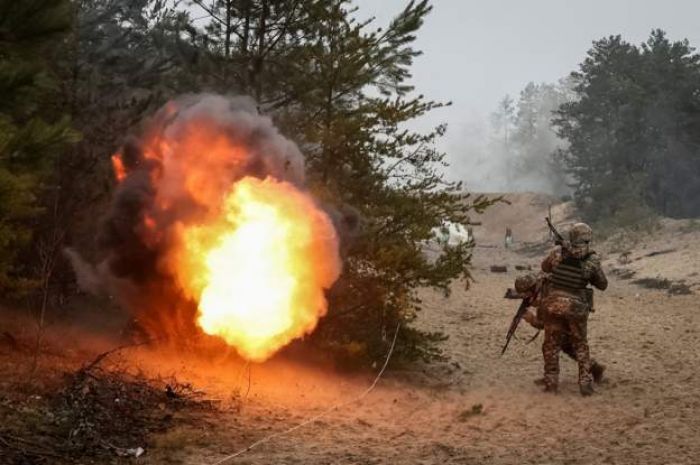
(259, 270)
(211, 214)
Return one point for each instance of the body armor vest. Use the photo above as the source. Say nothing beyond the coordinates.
(568, 275)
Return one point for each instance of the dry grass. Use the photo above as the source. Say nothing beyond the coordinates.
(74, 410)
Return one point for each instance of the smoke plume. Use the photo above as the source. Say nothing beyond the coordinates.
(201, 189)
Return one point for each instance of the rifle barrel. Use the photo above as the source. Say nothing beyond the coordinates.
(514, 323)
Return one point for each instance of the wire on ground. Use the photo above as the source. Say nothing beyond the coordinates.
(322, 414)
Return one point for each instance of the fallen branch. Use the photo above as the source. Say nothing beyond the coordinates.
(11, 442)
(659, 252)
(97, 360)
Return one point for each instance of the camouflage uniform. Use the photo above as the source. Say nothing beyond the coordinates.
(568, 303)
(525, 286)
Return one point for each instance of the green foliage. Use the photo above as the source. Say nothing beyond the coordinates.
(251, 47)
(338, 85)
(340, 88)
(121, 62)
(351, 126)
(634, 130)
(525, 139)
(32, 132)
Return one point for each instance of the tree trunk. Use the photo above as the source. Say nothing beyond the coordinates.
(227, 44)
(260, 54)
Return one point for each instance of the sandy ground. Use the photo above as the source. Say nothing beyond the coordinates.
(524, 214)
(485, 409)
(479, 408)
(671, 251)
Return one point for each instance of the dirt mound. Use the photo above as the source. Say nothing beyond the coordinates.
(664, 259)
(524, 214)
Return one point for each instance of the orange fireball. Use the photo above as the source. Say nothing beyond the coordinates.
(218, 205)
(258, 272)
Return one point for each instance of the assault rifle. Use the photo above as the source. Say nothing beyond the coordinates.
(527, 301)
(559, 240)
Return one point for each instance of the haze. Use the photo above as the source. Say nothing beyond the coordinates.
(475, 52)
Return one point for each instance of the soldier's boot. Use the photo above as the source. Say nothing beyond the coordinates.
(551, 388)
(586, 389)
(550, 385)
(597, 371)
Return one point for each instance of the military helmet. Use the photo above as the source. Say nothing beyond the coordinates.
(580, 236)
(525, 283)
(580, 233)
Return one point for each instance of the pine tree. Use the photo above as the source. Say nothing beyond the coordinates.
(341, 89)
(633, 129)
(534, 140)
(32, 130)
(502, 121)
(251, 47)
(351, 127)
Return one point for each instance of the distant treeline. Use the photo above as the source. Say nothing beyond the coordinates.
(524, 140)
(633, 132)
(623, 132)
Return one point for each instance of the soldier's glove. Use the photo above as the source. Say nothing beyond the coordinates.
(512, 294)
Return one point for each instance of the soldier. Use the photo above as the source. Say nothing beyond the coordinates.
(509, 238)
(567, 304)
(531, 284)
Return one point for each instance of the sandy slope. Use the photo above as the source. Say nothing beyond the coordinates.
(484, 409)
(524, 213)
(672, 251)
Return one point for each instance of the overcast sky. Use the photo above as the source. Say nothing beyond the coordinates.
(476, 51)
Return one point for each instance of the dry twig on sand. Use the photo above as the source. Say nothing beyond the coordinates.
(98, 411)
